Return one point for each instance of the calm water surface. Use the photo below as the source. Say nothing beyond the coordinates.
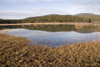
(54, 35)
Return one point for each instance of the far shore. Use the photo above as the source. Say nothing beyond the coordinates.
(50, 23)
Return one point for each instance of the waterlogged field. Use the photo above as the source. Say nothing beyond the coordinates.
(14, 52)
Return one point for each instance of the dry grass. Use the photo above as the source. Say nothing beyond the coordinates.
(79, 26)
(14, 52)
(99, 35)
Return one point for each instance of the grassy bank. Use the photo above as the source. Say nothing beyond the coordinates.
(15, 52)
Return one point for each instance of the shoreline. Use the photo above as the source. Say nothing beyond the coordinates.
(55, 23)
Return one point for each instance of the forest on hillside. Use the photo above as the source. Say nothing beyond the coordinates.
(48, 18)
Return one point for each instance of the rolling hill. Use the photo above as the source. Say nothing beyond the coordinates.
(93, 17)
(84, 14)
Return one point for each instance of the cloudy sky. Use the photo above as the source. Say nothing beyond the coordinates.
(19, 9)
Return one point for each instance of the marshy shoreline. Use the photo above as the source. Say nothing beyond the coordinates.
(14, 51)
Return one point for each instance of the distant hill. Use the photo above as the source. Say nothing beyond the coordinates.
(88, 15)
(57, 18)
(93, 17)
(84, 14)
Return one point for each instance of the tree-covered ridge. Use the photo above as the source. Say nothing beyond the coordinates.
(58, 18)
(49, 18)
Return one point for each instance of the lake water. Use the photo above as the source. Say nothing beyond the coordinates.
(55, 35)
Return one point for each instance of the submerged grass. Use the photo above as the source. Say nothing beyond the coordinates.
(14, 52)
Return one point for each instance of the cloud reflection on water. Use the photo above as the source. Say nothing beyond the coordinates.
(51, 38)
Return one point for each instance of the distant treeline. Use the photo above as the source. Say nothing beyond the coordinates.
(49, 18)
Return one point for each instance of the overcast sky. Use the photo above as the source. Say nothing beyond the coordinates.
(19, 9)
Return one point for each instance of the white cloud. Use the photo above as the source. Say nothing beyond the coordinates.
(25, 14)
(84, 6)
(74, 9)
(13, 14)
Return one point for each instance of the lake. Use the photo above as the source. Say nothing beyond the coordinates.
(54, 35)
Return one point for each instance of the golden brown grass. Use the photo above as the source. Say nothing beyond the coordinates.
(14, 52)
(79, 26)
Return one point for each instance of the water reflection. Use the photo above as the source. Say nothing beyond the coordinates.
(55, 35)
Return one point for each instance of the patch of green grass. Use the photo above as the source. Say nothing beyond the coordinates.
(15, 52)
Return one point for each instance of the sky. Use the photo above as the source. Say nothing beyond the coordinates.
(20, 9)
